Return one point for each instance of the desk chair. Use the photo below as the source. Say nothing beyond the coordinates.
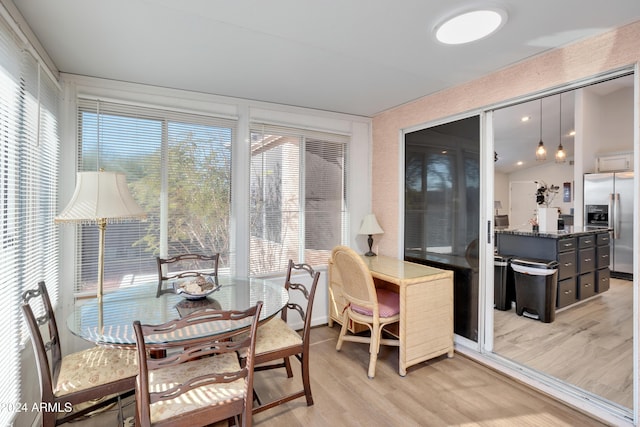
(375, 308)
(200, 380)
(277, 341)
(85, 377)
(185, 265)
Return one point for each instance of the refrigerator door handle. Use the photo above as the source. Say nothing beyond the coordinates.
(616, 218)
(610, 221)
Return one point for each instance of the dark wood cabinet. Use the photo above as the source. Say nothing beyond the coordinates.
(566, 292)
(603, 276)
(586, 285)
(582, 256)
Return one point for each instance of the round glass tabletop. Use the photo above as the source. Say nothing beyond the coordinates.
(111, 322)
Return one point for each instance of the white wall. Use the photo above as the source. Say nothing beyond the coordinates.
(551, 174)
(616, 122)
(501, 192)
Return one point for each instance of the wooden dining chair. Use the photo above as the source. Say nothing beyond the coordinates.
(200, 379)
(367, 305)
(185, 265)
(95, 378)
(277, 342)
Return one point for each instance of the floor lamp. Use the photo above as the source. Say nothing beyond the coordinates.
(100, 198)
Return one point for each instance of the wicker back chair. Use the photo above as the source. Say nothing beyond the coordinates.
(367, 305)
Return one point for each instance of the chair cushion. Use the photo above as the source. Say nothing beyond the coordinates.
(273, 335)
(388, 304)
(93, 367)
(208, 395)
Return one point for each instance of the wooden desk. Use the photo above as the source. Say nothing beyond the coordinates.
(426, 306)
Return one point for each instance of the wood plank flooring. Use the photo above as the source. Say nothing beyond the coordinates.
(589, 345)
(440, 392)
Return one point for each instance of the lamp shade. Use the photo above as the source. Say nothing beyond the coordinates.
(370, 225)
(101, 196)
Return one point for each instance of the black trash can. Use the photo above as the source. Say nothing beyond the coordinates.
(503, 282)
(536, 285)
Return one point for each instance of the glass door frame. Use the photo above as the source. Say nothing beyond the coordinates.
(557, 388)
(482, 350)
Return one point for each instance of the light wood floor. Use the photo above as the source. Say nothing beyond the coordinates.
(441, 392)
(589, 345)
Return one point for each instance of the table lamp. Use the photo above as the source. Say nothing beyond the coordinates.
(100, 198)
(497, 204)
(370, 227)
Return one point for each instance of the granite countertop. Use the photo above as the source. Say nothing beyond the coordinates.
(569, 231)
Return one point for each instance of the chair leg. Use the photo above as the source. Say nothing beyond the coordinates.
(48, 419)
(343, 331)
(287, 366)
(304, 363)
(374, 347)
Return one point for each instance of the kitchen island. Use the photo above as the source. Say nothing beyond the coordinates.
(582, 254)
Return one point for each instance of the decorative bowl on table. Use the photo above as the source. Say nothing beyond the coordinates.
(195, 287)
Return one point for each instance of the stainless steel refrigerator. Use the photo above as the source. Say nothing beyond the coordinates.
(608, 200)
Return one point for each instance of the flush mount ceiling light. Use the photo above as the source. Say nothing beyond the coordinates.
(470, 26)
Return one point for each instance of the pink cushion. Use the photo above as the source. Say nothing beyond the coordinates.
(388, 304)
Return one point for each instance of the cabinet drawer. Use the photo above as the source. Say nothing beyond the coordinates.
(586, 285)
(602, 279)
(586, 260)
(566, 292)
(603, 239)
(567, 265)
(602, 256)
(587, 241)
(567, 244)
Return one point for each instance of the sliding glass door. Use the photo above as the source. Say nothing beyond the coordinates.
(442, 191)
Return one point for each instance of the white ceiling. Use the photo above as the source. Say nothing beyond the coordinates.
(356, 56)
(516, 141)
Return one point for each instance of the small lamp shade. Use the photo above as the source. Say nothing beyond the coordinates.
(370, 227)
(101, 196)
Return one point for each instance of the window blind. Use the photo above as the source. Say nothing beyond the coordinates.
(178, 168)
(29, 156)
(298, 196)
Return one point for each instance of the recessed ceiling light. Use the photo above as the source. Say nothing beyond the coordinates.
(525, 118)
(572, 133)
(470, 26)
(520, 163)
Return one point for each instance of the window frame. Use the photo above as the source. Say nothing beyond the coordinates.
(166, 118)
(282, 135)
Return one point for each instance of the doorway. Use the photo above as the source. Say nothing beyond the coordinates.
(589, 346)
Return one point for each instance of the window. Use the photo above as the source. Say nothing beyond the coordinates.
(298, 196)
(29, 153)
(178, 167)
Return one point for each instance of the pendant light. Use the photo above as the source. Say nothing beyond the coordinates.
(541, 152)
(561, 155)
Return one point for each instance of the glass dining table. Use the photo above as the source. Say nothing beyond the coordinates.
(111, 321)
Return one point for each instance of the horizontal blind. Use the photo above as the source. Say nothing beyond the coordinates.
(10, 95)
(29, 149)
(178, 167)
(298, 195)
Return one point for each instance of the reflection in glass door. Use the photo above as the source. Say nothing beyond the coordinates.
(442, 188)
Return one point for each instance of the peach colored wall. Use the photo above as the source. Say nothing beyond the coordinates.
(610, 51)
